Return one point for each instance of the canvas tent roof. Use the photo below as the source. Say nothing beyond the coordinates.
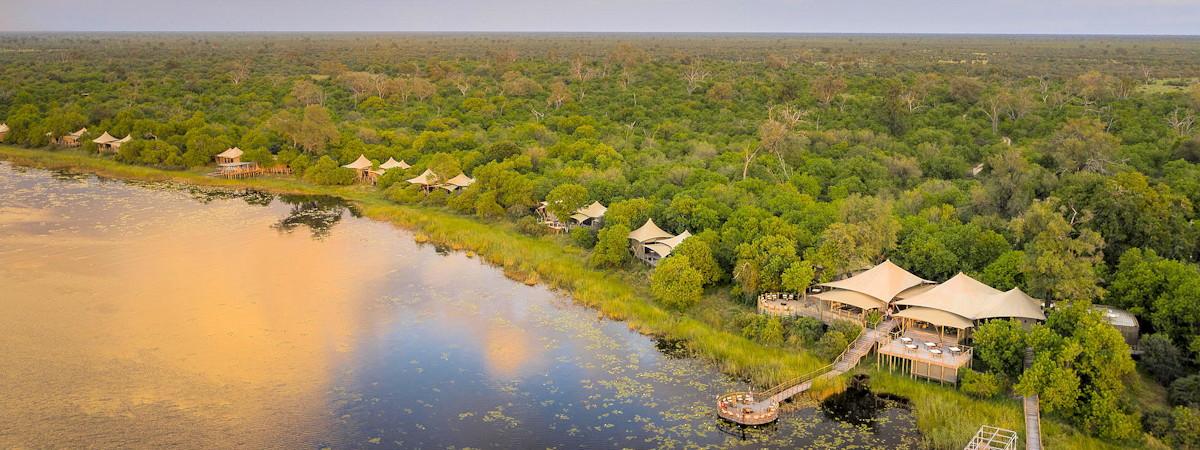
(960, 295)
(461, 180)
(362, 163)
(883, 281)
(662, 249)
(231, 153)
(79, 133)
(593, 210)
(649, 232)
(856, 299)
(936, 317)
(393, 164)
(3, 127)
(426, 178)
(127, 138)
(105, 139)
(675, 241)
(968, 298)
(1013, 303)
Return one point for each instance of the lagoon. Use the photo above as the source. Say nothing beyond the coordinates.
(152, 315)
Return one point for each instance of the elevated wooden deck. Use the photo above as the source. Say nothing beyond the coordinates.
(911, 353)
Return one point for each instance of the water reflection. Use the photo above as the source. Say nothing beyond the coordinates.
(318, 213)
(139, 315)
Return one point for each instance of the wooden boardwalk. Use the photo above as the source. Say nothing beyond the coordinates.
(1033, 415)
(763, 407)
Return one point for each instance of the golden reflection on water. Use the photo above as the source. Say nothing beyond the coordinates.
(210, 329)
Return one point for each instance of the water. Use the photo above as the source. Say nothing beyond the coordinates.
(151, 315)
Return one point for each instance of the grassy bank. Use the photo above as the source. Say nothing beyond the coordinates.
(946, 417)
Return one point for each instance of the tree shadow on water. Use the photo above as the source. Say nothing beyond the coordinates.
(316, 212)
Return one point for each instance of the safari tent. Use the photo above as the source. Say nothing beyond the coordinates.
(650, 243)
(3, 131)
(393, 164)
(362, 168)
(590, 215)
(460, 181)
(961, 303)
(106, 143)
(873, 289)
(427, 180)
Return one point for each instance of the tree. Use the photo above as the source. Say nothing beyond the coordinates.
(612, 246)
(760, 265)
(326, 171)
(1081, 145)
(559, 94)
(676, 284)
(311, 131)
(631, 213)
(1060, 262)
(693, 75)
(1129, 212)
(1000, 344)
(359, 83)
(827, 88)
(307, 93)
(1161, 358)
(1079, 370)
(564, 200)
(798, 276)
(698, 250)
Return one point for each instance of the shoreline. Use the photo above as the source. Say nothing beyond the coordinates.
(526, 259)
(946, 418)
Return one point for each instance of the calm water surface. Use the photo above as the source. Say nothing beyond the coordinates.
(151, 315)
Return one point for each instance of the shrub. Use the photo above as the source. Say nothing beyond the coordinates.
(1186, 391)
(981, 384)
(327, 172)
(676, 284)
(1161, 358)
(584, 237)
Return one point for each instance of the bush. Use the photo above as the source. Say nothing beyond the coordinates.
(610, 250)
(327, 172)
(584, 237)
(1185, 391)
(804, 330)
(676, 284)
(1161, 358)
(530, 226)
(982, 384)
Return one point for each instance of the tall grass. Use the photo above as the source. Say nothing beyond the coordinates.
(521, 257)
(948, 418)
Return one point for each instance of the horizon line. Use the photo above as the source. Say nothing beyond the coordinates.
(594, 32)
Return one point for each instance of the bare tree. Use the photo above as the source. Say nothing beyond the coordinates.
(827, 88)
(1182, 124)
(559, 94)
(694, 75)
(359, 83)
(239, 71)
(461, 82)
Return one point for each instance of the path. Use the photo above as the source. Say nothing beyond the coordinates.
(1033, 421)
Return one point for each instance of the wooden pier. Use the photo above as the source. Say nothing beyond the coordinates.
(758, 408)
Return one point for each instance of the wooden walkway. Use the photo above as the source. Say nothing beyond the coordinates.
(763, 407)
(1033, 415)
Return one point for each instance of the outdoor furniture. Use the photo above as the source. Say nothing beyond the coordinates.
(911, 346)
(955, 350)
(931, 344)
(935, 351)
(906, 340)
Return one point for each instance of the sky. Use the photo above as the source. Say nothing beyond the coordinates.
(766, 16)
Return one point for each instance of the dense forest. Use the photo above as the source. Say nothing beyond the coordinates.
(1068, 167)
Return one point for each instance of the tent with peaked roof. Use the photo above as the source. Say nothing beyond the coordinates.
(104, 139)
(393, 164)
(107, 143)
(650, 243)
(883, 282)
(71, 139)
(589, 215)
(426, 179)
(962, 302)
(458, 182)
(362, 163)
(231, 155)
(3, 131)
(362, 168)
